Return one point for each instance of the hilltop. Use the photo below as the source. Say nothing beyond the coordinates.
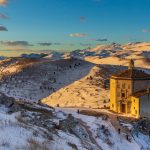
(116, 54)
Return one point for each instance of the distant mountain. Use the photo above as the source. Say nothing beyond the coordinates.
(101, 51)
(55, 55)
(34, 56)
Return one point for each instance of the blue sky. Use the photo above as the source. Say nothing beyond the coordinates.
(71, 24)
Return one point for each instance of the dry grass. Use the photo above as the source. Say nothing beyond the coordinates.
(33, 144)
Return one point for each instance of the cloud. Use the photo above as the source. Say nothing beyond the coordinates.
(145, 30)
(3, 16)
(3, 2)
(102, 40)
(82, 19)
(57, 44)
(85, 44)
(78, 35)
(44, 43)
(3, 28)
(15, 43)
(68, 44)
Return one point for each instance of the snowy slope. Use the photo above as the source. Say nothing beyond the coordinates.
(38, 127)
(91, 91)
(116, 54)
(41, 78)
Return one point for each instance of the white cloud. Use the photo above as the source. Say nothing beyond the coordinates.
(78, 35)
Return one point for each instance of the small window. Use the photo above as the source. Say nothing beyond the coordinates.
(112, 105)
(122, 94)
(134, 107)
(135, 111)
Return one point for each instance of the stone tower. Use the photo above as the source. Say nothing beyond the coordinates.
(131, 64)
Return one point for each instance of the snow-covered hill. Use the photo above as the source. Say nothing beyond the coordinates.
(29, 126)
(91, 91)
(80, 80)
(115, 54)
(34, 80)
(70, 81)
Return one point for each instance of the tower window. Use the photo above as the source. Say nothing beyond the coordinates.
(122, 94)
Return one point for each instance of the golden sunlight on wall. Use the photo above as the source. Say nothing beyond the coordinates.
(135, 107)
(113, 96)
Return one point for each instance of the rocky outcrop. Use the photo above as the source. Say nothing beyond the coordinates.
(15, 105)
(68, 124)
(76, 127)
(7, 101)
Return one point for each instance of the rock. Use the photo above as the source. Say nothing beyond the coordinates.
(68, 124)
(7, 101)
(15, 108)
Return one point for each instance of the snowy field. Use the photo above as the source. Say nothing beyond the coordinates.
(85, 133)
(109, 140)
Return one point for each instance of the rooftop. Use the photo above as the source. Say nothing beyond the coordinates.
(141, 93)
(132, 74)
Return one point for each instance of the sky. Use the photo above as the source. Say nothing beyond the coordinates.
(65, 25)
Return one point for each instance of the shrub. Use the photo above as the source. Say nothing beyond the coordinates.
(5, 144)
(73, 146)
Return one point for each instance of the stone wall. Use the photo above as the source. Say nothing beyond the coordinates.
(145, 106)
(140, 85)
(113, 96)
(135, 107)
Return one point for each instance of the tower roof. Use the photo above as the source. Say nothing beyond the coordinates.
(142, 92)
(132, 74)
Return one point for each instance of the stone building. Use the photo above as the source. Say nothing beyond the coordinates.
(130, 92)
